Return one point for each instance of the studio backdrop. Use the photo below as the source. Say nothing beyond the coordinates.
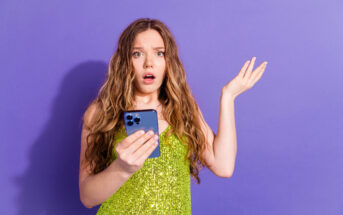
(54, 57)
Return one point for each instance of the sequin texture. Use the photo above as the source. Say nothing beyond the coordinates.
(161, 186)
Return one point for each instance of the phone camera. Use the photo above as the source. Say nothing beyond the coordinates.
(129, 117)
(130, 123)
(137, 120)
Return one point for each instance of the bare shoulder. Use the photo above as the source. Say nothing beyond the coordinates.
(91, 114)
(89, 119)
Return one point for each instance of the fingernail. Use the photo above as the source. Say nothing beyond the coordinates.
(150, 133)
(156, 137)
(142, 132)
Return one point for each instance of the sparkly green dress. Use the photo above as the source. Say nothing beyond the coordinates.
(161, 186)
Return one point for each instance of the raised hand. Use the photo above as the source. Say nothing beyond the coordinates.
(245, 79)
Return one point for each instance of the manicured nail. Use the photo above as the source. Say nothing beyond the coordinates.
(150, 133)
(156, 137)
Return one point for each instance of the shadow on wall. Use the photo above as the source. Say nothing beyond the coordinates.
(50, 183)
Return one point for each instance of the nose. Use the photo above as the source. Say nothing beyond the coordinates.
(148, 61)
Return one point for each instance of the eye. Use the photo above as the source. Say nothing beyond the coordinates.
(161, 53)
(137, 54)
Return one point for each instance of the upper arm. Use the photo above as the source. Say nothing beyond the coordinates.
(88, 121)
(208, 154)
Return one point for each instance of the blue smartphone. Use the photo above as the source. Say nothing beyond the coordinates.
(142, 120)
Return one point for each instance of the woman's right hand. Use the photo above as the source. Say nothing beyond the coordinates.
(134, 150)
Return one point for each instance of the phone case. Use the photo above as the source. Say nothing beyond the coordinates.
(142, 120)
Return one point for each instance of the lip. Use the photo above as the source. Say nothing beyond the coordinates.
(148, 73)
(148, 81)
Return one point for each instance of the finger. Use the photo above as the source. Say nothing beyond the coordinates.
(244, 67)
(258, 70)
(259, 75)
(148, 152)
(131, 138)
(143, 149)
(139, 142)
(248, 71)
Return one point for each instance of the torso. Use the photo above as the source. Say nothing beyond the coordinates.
(161, 186)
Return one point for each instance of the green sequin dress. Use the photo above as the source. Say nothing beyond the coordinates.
(161, 186)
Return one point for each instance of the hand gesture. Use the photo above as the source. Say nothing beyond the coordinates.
(245, 79)
(134, 150)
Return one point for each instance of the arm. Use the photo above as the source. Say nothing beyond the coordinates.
(221, 150)
(132, 152)
(94, 189)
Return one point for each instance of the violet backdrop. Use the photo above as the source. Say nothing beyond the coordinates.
(54, 55)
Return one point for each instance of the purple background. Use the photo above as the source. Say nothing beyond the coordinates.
(53, 57)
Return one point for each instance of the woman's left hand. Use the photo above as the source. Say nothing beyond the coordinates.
(245, 79)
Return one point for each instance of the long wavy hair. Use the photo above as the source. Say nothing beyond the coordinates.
(116, 95)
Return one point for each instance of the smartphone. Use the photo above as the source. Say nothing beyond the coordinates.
(142, 120)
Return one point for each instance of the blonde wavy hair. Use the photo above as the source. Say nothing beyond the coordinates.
(116, 95)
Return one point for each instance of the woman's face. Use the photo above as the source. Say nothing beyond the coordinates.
(148, 61)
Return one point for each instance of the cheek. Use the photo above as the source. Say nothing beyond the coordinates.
(136, 65)
(161, 64)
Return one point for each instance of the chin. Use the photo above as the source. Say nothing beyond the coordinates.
(148, 89)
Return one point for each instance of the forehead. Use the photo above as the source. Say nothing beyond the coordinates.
(148, 38)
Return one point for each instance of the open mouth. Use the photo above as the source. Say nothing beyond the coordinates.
(149, 77)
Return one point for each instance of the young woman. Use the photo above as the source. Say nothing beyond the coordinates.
(145, 72)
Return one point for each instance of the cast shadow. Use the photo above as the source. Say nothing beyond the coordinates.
(50, 182)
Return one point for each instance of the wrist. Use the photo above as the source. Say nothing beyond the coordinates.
(116, 168)
(227, 96)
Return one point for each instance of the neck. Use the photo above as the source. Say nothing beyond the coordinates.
(146, 99)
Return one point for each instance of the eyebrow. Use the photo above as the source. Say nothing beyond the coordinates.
(153, 48)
